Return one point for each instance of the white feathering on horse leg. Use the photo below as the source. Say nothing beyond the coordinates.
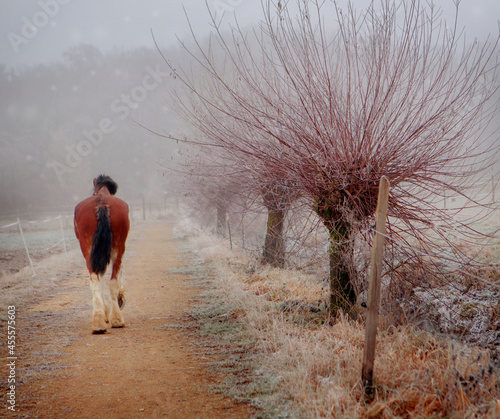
(108, 304)
(98, 314)
(116, 315)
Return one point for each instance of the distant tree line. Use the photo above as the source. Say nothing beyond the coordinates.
(65, 122)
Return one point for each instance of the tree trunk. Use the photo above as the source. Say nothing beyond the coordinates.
(274, 244)
(221, 217)
(342, 295)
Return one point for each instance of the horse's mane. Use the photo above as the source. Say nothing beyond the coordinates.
(103, 180)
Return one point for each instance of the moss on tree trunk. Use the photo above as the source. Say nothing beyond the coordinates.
(342, 294)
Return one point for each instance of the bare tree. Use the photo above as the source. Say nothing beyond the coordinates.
(253, 156)
(391, 91)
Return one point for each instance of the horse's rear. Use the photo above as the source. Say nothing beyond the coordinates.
(101, 226)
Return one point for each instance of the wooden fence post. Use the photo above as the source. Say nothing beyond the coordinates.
(26, 246)
(62, 234)
(374, 286)
(229, 231)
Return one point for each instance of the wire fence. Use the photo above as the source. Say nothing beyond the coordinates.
(41, 235)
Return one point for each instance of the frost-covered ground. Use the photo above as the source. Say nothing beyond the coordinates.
(297, 362)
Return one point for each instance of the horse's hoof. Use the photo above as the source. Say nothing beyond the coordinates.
(117, 325)
(99, 324)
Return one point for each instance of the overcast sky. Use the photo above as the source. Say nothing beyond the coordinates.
(39, 31)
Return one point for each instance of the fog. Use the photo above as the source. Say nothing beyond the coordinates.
(79, 81)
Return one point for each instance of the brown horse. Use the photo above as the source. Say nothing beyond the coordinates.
(101, 226)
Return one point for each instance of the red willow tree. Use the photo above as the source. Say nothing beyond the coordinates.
(327, 112)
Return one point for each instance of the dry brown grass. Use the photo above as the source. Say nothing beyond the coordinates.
(317, 362)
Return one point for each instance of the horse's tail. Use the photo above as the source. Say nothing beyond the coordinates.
(100, 255)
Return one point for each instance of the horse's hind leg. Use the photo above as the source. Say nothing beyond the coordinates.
(116, 291)
(98, 314)
(108, 305)
(116, 318)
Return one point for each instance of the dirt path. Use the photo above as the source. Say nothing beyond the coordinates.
(148, 369)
